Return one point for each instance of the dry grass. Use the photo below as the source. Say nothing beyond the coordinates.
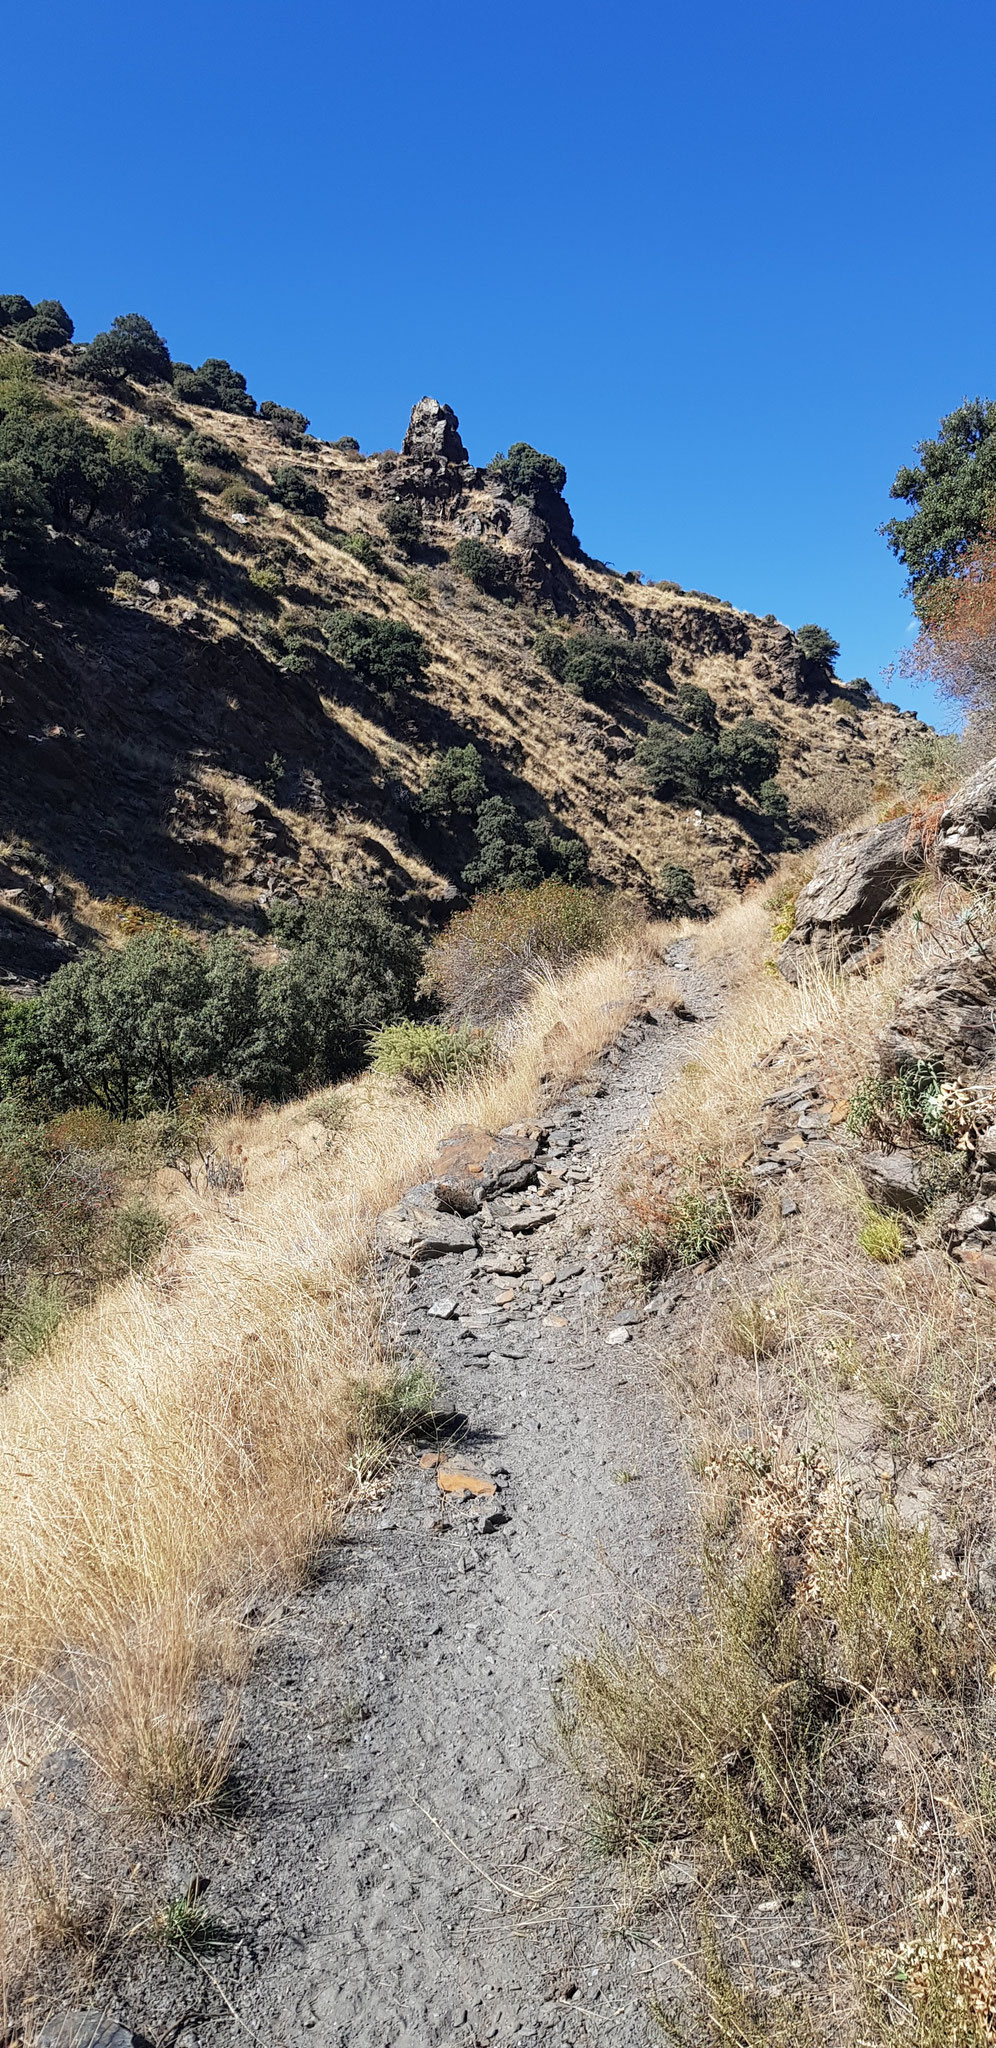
(191, 1440)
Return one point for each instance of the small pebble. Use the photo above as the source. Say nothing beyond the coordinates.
(620, 1335)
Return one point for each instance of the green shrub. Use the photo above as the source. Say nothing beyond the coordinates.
(506, 858)
(902, 1109)
(930, 764)
(135, 1029)
(129, 348)
(591, 663)
(286, 423)
(237, 497)
(749, 754)
(14, 310)
(526, 471)
(429, 1055)
(214, 384)
(679, 765)
(206, 448)
(266, 579)
(361, 546)
(482, 965)
(404, 525)
(387, 654)
(697, 708)
(56, 468)
(773, 801)
(487, 568)
(454, 785)
(347, 445)
(296, 491)
(675, 889)
(49, 327)
(419, 587)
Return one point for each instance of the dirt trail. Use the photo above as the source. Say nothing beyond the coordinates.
(413, 1873)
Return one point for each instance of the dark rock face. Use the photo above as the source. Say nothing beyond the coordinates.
(945, 1016)
(473, 1165)
(892, 1181)
(966, 841)
(855, 889)
(433, 434)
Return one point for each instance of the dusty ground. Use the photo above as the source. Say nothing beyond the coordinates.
(410, 1867)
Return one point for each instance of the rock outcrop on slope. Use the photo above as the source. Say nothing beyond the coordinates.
(184, 745)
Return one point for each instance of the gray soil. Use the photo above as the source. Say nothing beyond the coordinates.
(410, 1867)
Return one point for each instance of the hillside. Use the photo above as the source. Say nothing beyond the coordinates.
(180, 740)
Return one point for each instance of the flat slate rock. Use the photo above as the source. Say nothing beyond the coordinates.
(87, 2030)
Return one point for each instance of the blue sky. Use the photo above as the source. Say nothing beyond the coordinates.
(727, 262)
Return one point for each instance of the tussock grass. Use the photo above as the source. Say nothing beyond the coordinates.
(190, 1441)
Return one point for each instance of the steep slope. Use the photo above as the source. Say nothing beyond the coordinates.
(182, 742)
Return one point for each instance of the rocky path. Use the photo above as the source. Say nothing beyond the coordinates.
(415, 1873)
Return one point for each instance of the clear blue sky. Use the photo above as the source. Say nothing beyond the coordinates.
(728, 262)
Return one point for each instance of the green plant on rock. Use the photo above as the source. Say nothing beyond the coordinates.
(818, 646)
(486, 567)
(429, 1055)
(526, 471)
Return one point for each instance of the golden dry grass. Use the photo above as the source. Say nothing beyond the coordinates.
(189, 1441)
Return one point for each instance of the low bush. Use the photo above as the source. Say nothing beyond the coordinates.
(454, 786)
(487, 568)
(238, 497)
(903, 1108)
(404, 525)
(297, 492)
(287, 424)
(698, 709)
(206, 448)
(214, 384)
(481, 966)
(590, 664)
(526, 471)
(675, 889)
(429, 1055)
(930, 764)
(386, 653)
(361, 546)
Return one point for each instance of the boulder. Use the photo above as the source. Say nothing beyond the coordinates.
(417, 1230)
(892, 1181)
(473, 1164)
(945, 1016)
(855, 889)
(966, 838)
(433, 434)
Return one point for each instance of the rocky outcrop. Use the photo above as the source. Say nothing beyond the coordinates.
(966, 839)
(856, 889)
(892, 1181)
(944, 1016)
(473, 1165)
(433, 434)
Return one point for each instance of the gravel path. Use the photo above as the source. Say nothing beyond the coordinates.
(413, 1873)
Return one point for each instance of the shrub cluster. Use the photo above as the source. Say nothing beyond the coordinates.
(57, 470)
(486, 567)
(386, 654)
(481, 966)
(695, 767)
(675, 889)
(214, 384)
(589, 664)
(526, 471)
(287, 424)
(514, 852)
(206, 448)
(43, 326)
(296, 491)
(133, 1030)
(454, 786)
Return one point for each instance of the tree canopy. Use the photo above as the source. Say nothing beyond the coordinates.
(526, 471)
(952, 490)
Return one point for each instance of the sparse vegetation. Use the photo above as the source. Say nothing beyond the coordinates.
(428, 1055)
(480, 966)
